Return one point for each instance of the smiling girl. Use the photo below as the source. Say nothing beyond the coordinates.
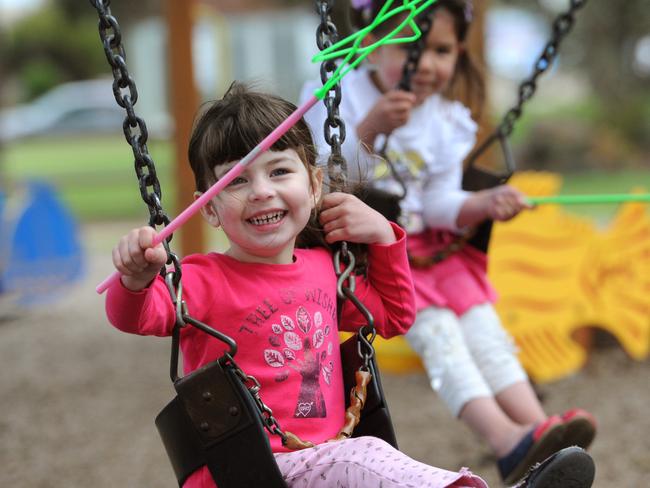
(277, 301)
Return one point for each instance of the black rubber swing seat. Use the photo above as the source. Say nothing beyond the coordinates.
(214, 421)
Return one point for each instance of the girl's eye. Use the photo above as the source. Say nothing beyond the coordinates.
(237, 181)
(279, 172)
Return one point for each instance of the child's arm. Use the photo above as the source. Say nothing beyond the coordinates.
(499, 203)
(388, 291)
(447, 206)
(137, 304)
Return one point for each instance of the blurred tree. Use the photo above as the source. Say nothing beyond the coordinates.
(47, 48)
(60, 42)
(124, 9)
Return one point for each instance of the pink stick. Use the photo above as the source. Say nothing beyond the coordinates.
(185, 215)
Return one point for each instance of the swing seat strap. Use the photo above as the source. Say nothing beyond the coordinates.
(213, 421)
(375, 417)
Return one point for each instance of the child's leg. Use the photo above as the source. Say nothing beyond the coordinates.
(437, 337)
(494, 353)
(363, 462)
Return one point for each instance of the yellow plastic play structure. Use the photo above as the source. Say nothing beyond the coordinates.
(555, 273)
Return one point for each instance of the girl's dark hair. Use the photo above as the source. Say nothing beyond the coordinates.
(468, 83)
(228, 129)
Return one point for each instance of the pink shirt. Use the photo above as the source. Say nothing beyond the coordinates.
(284, 319)
(458, 282)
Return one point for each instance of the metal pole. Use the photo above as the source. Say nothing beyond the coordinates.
(184, 101)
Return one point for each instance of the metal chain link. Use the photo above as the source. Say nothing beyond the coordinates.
(561, 27)
(266, 414)
(326, 36)
(134, 127)
(415, 49)
(410, 67)
(334, 126)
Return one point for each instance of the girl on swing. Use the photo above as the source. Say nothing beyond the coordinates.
(469, 357)
(274, 291)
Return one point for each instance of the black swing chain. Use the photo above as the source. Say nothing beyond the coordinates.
(334, 127)
(135, 132)
(344, 260)
(413, 56)
(134, 127)
(415, 49)
(562, 25)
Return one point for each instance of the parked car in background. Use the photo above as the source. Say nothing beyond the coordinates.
(78, 107)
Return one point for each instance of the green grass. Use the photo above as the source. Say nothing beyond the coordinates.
(94, 176)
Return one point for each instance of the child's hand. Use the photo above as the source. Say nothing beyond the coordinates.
(504, 202)
(346, 218)
(136, 260)
(391, 111)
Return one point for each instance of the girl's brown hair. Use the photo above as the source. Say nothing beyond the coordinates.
(468, 83)
(229, 128)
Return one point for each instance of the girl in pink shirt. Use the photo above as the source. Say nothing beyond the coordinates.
(277, 301)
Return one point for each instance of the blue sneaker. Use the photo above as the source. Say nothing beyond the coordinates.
(571, 467)
(542, 441)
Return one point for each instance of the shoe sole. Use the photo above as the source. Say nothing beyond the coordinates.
(579, 432)
(569, 468)
(543, 447)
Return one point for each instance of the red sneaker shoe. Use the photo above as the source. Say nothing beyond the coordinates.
(579, 428)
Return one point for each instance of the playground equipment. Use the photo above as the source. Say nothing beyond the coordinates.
(557, 272)
(197, 432)
(39, 246)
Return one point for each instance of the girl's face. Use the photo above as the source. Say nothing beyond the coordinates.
(437, 62)
(266, 206)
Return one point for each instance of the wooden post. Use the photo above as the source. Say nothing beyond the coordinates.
(184, 102)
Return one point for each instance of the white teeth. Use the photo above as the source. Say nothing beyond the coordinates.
(267, 219)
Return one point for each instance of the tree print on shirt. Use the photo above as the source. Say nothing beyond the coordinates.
(303, 345)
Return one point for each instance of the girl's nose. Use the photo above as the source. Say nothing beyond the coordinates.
(261, 189)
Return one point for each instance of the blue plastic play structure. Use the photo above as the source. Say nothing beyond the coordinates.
(40, 251)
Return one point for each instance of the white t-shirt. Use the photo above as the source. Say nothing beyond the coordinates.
(428, 151)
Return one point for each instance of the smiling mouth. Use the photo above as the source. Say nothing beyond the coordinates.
(271, 218)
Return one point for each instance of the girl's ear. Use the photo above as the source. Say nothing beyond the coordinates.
(316, 184)
(208, 211)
